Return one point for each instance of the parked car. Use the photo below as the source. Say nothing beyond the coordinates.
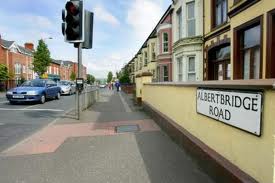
(102, 86)
(67, 87)
(37, 90)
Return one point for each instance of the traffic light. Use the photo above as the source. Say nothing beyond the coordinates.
(89, 22)
(73, 21)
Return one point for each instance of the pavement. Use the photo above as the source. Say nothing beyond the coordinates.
(115, 141)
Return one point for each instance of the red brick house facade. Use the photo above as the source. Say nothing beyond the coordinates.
(18, 59)
(164, 50)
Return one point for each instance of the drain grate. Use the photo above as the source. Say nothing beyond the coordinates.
(127, 128)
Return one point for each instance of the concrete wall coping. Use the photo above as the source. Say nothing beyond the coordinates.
(232, 84)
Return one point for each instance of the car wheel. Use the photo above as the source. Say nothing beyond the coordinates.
(43, 99)
(58, 96)
(70, 93)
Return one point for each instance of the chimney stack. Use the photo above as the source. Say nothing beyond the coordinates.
(29, 46)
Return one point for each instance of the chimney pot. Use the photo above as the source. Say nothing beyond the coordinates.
(29, 46)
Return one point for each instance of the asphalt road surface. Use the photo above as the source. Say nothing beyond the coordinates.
(20, 121)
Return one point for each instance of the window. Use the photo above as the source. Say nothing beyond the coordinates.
(165, 42)
(140, 63)
(165, 73)
(191, 21)
(219, 15)
(270, 66)
(145, 58)
(191, 73)
(179, 23)
(158, 74)
(219, 63)
(17, 68)
(153, 51)
(24, 69)
(179, 65)
(247, 50)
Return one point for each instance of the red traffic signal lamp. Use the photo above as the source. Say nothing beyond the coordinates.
(73, 21)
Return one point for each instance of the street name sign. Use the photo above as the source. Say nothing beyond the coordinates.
(241, 109)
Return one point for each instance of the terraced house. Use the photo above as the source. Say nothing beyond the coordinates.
(239, 39)
(187, 40)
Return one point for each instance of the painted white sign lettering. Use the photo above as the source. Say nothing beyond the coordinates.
(239, 109)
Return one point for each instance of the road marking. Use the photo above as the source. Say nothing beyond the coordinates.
(28, 109)
(126, 106)
(36, 132)
(1, 124)
(3, 102)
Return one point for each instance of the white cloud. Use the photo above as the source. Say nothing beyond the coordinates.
(143, 15)
(102, 14)
(99, 67)
(39, 21)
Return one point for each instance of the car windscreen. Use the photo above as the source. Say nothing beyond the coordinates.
(34, 83)
(64, 83)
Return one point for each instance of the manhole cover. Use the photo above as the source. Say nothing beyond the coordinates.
(127, 128)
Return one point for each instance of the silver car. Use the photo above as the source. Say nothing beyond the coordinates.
(67, 87)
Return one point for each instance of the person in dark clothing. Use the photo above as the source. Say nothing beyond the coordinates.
(117, 86)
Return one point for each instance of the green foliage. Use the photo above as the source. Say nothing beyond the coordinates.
(109, 77)
(124, 77)
(4, 74)
(90, 79)
(73, 76)
(11, 75)
(42, 58)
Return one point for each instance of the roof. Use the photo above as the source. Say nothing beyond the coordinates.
(6, 43)
(25, 50)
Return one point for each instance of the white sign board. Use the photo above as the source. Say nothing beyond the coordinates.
(236, 108)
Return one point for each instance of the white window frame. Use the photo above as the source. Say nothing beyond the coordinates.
(191, 72)
(188, 20)
(180, 69)
(165, 43)
(17, 68)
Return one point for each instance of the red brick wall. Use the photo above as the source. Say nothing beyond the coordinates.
(168, 19)
(24, 60)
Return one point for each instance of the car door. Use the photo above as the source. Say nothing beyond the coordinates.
(49, 89)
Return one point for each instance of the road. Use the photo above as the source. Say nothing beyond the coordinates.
(17, 122)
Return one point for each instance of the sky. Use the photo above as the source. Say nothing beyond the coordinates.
(120, 29)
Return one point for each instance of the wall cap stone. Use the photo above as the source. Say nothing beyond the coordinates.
(235, 84)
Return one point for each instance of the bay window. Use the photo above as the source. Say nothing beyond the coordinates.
(179, 65)
(191, 21)
(191, 72)
(165, 42)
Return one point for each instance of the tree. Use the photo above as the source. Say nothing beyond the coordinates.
(124, 77)
(73, 76)
(42, 58)
(90, 79)
(11, 75)
(109, 77)
(4, 74)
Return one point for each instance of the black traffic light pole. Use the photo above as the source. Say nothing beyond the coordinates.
(79, 51)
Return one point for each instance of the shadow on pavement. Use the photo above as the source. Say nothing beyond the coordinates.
(167, 162)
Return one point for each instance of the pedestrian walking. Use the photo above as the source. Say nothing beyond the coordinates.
(117, 86)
